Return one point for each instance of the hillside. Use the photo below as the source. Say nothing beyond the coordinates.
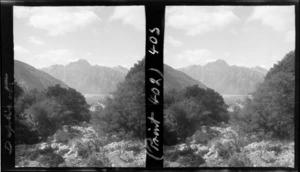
(226, 79)
(175, 79)
(86, 78)
(30, 78)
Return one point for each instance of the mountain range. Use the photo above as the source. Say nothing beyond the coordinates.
(226, 79)
(94, 79)
(30, 78)
(87, 78)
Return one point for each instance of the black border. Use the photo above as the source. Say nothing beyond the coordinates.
(7, 110)
(154, 83)
(146, 2)
(7, 68)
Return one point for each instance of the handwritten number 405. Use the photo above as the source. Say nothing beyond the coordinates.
(154, 41)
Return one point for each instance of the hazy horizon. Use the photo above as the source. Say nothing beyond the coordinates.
(137, 61)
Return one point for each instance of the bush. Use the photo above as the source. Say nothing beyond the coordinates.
(73, 104)
(271, 111)
(187, 110)
(98, 160)
(23, 131)
(125, 111)
(23, 134)
(223, 151)
(239, 160)
(51, 160)
(40, 114)
(43, 117)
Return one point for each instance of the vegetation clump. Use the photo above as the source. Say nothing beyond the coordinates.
(39, 115)
(188, 110)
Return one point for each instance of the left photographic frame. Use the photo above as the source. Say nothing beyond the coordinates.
(78, 81)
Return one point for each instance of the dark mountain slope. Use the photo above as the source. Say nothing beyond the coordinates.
(175, 79)
(30, 78)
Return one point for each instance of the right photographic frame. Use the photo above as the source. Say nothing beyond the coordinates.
(229, 86)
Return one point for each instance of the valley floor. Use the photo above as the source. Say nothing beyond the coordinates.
(223, 147)
(81, 146)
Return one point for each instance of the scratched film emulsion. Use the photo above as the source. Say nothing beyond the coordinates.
(229, 79)
(79, 86)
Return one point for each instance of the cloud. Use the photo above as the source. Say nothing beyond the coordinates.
(36, 41)
(57, 20)
(59, 56)
(173, 41)
(200, 20)
(20, 50)
(132, 15)
(190, 57)
(280, 18)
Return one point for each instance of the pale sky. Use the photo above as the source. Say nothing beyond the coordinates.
(241, 35)
(111, 36)
(105, 36)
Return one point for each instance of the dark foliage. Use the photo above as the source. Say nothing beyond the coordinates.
(51, 160)
(23, 132)
(39, 114)
(18, 91)
(187, 110)
(74, 103)
(125, 111)
(271, 111)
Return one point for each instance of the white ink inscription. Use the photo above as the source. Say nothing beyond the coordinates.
(7, 114)
(153, 143)
(154, 41)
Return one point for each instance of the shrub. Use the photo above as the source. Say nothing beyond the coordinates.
(40, 114)
(23, 134)
(98, 160)
(43, 117)
(73, 104)
(223, 151)
(271, 111)
(51, 160)
(190, 109)
(239, 160)
(82, 150)
(125, 111)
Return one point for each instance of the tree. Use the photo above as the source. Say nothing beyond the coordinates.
(73, 104)
(44, 117)
(187, 110)
(23, 100)
(126, 110)
(271, 111)
(40, 114)
(18, 91)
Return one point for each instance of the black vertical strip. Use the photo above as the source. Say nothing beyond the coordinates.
(154, 84)
(7, 78)
(297, 86)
